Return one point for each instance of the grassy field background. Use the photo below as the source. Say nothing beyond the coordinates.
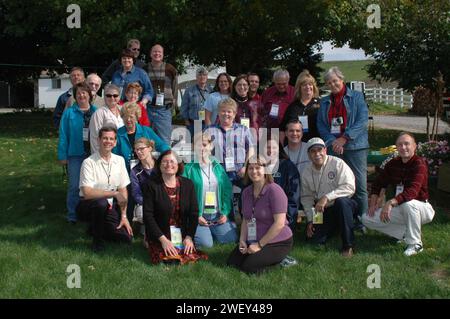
(352, 70)
(37, 245)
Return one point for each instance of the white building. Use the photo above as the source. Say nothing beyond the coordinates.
(49, 89)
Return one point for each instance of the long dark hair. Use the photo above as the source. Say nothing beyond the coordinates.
(230, 82)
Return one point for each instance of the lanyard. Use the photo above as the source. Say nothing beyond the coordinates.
(208, 175)
(298, 155)
(201, 94)
(108, 173)
(255, 201)
(323, 169)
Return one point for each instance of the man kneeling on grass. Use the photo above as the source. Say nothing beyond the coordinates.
(103, 188)
(327, 185)
(403, 215)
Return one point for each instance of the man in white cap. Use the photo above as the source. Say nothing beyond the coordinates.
(327, 187)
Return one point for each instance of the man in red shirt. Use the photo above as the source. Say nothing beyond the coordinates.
(403, 215)
(277, 98)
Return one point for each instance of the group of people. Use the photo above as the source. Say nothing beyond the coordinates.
(259, 161)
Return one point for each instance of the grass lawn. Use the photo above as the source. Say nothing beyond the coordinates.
(37, 245)
(377, 108)
(353, 70)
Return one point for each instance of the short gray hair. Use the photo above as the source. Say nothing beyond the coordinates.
(111, 86)
(94, 75)
(333, 70)
(280, 73)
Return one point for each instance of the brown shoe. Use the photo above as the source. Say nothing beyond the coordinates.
(347, 252)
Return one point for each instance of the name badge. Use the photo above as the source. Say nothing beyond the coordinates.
(317, 217)
(160, 99)
(175, 237)
(304, 120)
(251, 231)
(210, 203)
(201, 115)
(229, 164)
(245, 121)
(399, 189)
(274, 110)
(85, 134)
(133, 163)
(110, 200)
(336, 123)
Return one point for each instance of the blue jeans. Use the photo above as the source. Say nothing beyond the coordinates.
(161, 119)
(224, 233)
(73, 191)
(357, 161)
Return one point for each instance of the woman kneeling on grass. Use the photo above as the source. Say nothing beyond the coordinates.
(266, 238)
(170, 213)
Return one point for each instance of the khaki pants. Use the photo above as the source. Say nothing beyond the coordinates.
(406, 221)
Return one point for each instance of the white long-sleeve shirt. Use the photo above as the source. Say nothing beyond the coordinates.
(100, 118)
(335, 179)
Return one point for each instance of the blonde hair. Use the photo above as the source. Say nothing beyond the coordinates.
(146, 142)
(228, 102)
(130, 108)
(305, 78)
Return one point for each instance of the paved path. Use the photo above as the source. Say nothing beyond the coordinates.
(414, 124)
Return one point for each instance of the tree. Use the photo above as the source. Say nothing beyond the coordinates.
(255, 35)
(411, 46)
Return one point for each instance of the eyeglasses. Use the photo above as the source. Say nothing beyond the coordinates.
(140, 149)
(135, 49)
(112, 95)
(94, 84)
(169, 162)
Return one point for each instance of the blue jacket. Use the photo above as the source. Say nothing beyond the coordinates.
(193, 100)
(357, 119)
(71, 132)
(139, 177)
(125, 149)
(288, 178)
(135, 75)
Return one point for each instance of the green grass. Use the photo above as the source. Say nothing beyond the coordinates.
(376, 108)
(352, 70)
(37, 246)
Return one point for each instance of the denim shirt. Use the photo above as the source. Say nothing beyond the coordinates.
(193, 101)
(357, 120)
(135, 75)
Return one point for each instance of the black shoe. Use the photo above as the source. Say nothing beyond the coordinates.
(98, 247)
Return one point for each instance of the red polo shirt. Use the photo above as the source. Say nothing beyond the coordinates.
(272, 96)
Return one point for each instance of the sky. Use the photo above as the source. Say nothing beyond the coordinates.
(341, 54)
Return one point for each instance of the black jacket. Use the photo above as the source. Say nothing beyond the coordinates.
(157, 208)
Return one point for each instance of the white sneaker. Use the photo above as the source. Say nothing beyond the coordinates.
(412, 250)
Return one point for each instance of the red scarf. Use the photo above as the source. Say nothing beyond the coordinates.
(337, 108)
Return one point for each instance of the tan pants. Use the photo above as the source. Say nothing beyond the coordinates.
(406, 221)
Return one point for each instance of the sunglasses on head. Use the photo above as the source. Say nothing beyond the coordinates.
(112, 95)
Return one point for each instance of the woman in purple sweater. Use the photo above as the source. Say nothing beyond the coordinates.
(266, 238)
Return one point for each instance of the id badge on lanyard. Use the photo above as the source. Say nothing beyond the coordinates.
(85, 134)
(160, 99)
(210, 202)
(336, 123)
(229, 164)
(175, 237)
(245, 121)
(201, 114)
(304, 120)
(251, 230)
(274, 110)
(399, 189)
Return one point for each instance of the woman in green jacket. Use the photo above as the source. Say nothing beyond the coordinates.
(214, 194)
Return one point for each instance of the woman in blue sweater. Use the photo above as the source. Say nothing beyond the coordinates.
(73, 144)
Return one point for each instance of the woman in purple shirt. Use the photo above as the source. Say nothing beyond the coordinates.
(265, 238)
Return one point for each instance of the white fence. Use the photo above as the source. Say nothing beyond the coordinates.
(389, 96)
